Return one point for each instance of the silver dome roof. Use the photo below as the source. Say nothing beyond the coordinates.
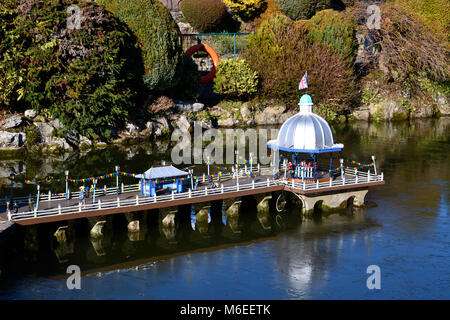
(305, 131)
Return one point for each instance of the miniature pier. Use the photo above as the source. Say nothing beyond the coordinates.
(305, 141)
(353, 184)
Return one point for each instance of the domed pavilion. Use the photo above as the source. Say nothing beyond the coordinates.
(304, 137)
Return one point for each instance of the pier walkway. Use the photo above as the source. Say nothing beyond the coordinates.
(129, 199)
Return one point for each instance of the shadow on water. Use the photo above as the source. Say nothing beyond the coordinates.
(38, 253)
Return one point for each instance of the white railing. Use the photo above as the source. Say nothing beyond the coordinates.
(140, 200)
(351, 177)
(49, 196)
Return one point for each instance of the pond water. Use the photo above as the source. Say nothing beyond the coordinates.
(404, 230)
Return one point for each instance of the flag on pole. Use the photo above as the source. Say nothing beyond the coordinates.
(303, 83)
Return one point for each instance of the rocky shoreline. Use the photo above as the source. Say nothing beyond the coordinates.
(33, 132)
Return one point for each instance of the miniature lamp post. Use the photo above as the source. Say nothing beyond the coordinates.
(93, 194)
(67, 184)
(374, 165)
(12, 176)
(341, 160)
(37, 197)
(207, 162)
(237, 166)
(251, 162)
(117, 176)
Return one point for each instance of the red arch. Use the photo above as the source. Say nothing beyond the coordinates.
(214, 56)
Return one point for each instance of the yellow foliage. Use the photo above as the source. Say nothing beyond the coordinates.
(246, 9)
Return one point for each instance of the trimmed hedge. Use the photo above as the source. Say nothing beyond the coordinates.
(303, 9)
(158, 36)
(86, 77)
(204, 15)
(235, 78)
(281, 53)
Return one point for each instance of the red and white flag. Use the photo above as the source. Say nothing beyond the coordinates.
(303, 83)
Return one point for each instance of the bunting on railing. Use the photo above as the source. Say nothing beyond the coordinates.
(109, 175)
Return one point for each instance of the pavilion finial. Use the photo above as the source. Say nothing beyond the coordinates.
(305, 104)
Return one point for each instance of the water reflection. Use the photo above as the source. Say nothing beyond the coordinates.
(218, 254)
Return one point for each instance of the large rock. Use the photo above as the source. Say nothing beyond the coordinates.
(228, 122)
(11, 166)
(162, 127)
(59, 144)
(245, 112)
(52, 143)
(185, 27)
(85, 141)
(12, 140)
(217, 111)
(183, 123)
(45, 130)
(443, 104)
(270, 115)
(30, 113)
(384, 110)
(132, 129)
(205, 124)
(11, 122)
(188, 106)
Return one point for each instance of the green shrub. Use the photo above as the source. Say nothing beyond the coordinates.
(10, 4)
(204, 15)
(158, 36)
(189, 83)
(235, 78)
(302, 9)
(246, 9)
(280, 53)
(436, 12)
(331, 27)
(86, 77)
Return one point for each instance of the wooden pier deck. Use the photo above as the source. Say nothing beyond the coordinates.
(130, 200)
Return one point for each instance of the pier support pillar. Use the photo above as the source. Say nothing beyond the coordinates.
(168, 223)
(233, 216)
(136, 225)
(61, 234)
(97, 230)
(65, 237)
(332, 200)
(263, 206)
(358, 201)
(201, 220)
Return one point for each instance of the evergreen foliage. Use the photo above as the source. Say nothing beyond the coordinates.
(88, 77)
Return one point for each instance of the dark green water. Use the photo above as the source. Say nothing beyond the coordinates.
(404, 230)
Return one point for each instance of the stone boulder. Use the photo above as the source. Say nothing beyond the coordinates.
(228, 122)
(162, 127)
(11, 166)
(183, 123)
(443, 104)
(270, 115)
(12, 140)
(30, 113)
(245, 112)
(188, 106)
(12, 122)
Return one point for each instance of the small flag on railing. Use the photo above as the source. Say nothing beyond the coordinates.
(303, 83)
